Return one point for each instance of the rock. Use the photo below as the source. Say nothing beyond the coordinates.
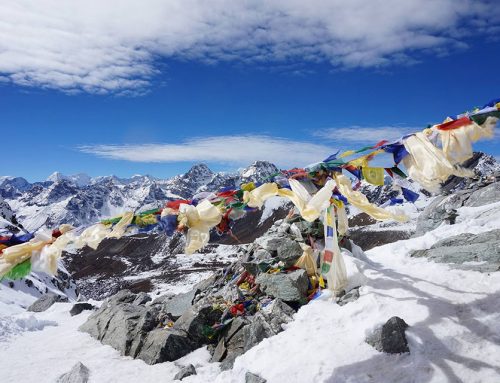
(484, 196)
(289, 251)
(368, 239)
(291, 287)
(464, 248)
(176, 305)
(79, 307)
(295, 231)
(196, 319)
(185, 372)
(436, 212)
(141, 299)
(253, 378)
(270, 242)
(267, 322)
(315, 229)
(165, 345)
(45, 301)
(390, 338)
(349, 297)
(262, 255)
(361, 219)
(78, 374)
(231, 344)
(121, 324)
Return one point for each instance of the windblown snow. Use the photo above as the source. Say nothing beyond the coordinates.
(453, 335)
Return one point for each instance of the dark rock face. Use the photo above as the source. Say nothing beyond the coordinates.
(194, 321)
(349, 297)
(45, 301)
(390, 338)
(231, 343)
(80, 307)
(463, 248)
(78, 374)
(185, 372)
(368, 239)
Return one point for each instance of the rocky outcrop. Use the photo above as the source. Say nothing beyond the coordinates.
(440, 209)
(479, 252)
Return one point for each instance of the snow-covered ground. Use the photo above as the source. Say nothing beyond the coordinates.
(453, 335)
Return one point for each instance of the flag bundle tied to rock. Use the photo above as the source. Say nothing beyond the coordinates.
(430, 157)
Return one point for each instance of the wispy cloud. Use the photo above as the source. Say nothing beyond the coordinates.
(111, 46)
(234, 150)
(358, 134)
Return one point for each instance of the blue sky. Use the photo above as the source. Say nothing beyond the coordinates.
(118, 97)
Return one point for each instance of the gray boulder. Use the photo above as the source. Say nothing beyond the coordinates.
(289, 251)
(165, 345)
(121, 324)
(141, 299)
(185, 372)
(267, 322)
(349, 297)
(196, 319)
(291, 287)
(78, 374)
(45, 301)
(390, 338)
(484, 196)
(79, 307)
(436, 212)
(231, 343)
(271, 242)
(253, 378)
(483, 249)
(176, 305)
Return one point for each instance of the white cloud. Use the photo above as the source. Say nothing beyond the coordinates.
(367, 134)
(234, 150)
(111, 46)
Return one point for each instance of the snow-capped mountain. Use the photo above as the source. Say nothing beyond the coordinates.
(81, 200)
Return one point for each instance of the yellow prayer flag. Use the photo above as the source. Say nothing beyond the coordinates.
(375, 176)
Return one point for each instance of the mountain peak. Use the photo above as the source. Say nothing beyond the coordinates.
(79, 179)
(200, 170)
(259, 171)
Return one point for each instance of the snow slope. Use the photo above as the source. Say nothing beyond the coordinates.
(453, 335)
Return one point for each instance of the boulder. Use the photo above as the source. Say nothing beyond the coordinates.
(185, 372)
(45, 301)
(176, 305)
(289, 251)
(231, 343)
(165, 345)
(291, 287)
(141, 299)
(121, 324)
(78, 374)
(271, 242)
(436, 212)
(253, 378)
(390, 338)
(484, 196)
(196, 320)
(483, 249)
(79, 307)
(267, 322)
(349, 297)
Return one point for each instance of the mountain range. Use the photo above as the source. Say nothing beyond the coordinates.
(82, 200)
